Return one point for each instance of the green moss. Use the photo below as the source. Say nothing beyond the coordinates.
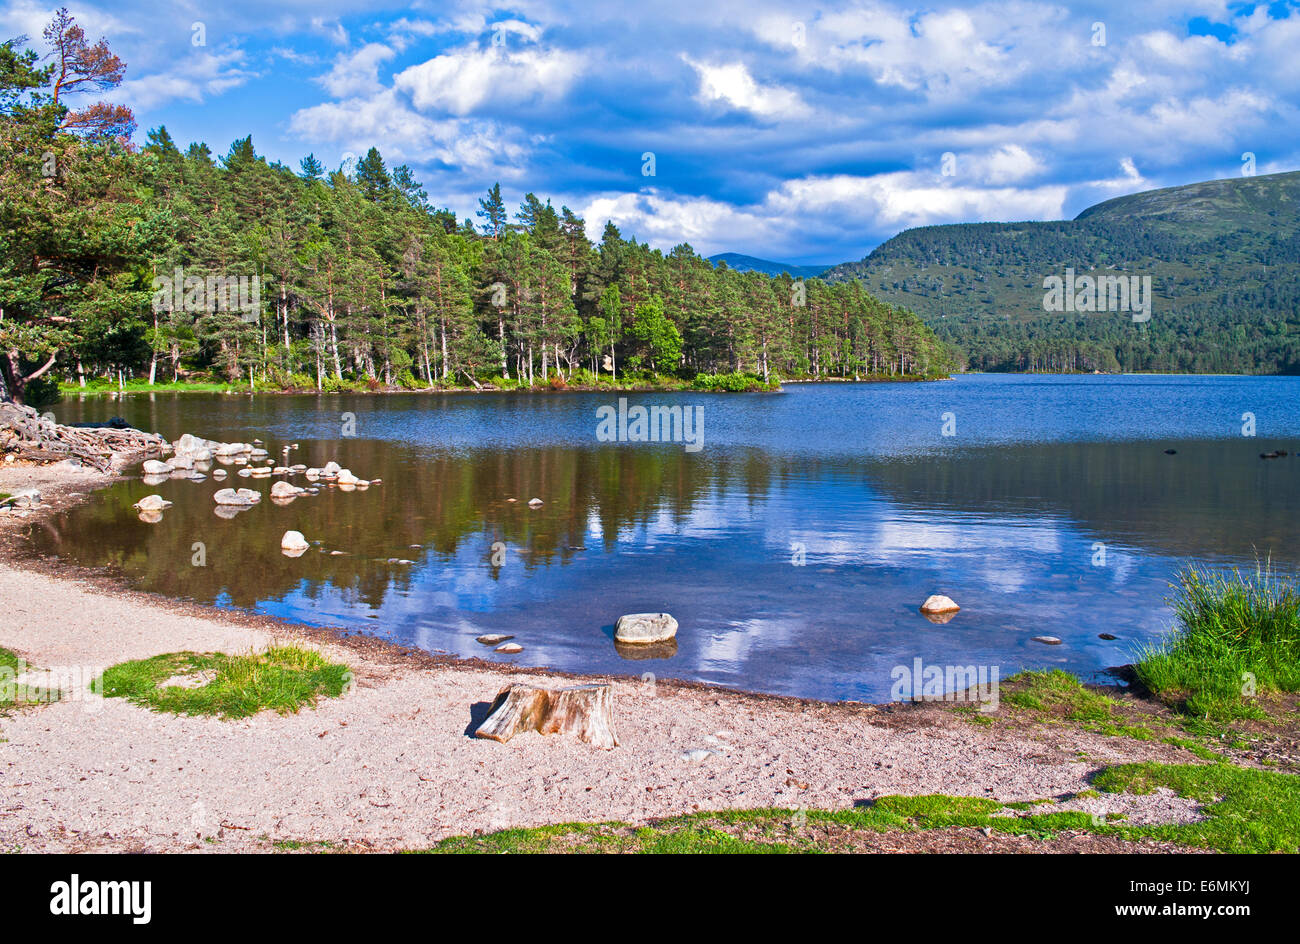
(282, 679)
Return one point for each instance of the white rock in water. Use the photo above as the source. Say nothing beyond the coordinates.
(509, 648)
(331, 468)
(179, 461)
(243, 496)
(535, 503)
(643, 628)
(188, 443)
(939, 604)
(218, 474)
(493, 639)
(283, 489)
(152, 503)
(154, 467)
(345, 477)
(293, 541)
(1047, 640)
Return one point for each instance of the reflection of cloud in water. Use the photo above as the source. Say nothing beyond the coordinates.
(742, 639)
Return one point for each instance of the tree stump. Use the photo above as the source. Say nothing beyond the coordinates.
(586, 711)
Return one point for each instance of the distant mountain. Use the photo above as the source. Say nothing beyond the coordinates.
(1223, 258)
(743, 263)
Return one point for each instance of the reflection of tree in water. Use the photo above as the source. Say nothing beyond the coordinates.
(1212, 499)
(439, 503)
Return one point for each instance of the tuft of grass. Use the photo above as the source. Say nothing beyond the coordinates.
(1233, 630)
(282, 679)
(11, 693)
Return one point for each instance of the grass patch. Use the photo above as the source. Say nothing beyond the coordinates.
(13, 695)
(283, 679)
(1233, 630)
(1246, 811)
(1061, 695)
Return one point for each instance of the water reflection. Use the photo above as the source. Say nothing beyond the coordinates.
(790, 569)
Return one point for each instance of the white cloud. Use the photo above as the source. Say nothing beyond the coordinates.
(467, 79)
(403, 135)
(357, 73)
(732, 85)
(199, 75)
(907, 198)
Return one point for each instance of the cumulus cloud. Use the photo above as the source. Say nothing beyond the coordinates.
(473, 77)
(198, 77)
(732, 85)
(357, 73)
(384, 119)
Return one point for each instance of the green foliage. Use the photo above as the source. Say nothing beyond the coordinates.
(284, 679)
(1233, 629)
(1224, 262)
(730, 383)
(363, 284)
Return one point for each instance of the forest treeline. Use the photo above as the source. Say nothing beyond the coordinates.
(166, 264)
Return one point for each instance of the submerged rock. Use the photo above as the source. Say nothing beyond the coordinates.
(644, 628)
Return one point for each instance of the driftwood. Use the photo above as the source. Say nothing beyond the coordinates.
(582, 710)
(24, 434)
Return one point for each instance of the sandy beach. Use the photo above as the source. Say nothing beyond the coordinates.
(391, 764)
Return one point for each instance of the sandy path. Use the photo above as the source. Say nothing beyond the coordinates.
(390, 764)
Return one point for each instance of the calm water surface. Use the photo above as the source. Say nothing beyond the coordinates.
(1010, 517)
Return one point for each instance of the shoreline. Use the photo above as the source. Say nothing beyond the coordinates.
(390, 764)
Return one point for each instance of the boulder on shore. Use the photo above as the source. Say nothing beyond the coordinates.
(644, 628)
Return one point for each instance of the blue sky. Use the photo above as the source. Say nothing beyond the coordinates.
(802, 132)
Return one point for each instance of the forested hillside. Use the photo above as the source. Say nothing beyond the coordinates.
(119, 263)
(1223, 257)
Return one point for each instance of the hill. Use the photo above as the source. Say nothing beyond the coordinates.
(743, 263)
(1222, 256)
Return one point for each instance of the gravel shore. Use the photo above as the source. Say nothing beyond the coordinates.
(391, 765)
